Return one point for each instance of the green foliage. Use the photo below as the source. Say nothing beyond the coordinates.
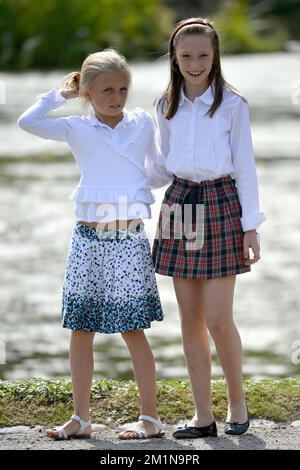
(243, 30)
(48, 391)
(60, 33)
(40, 401)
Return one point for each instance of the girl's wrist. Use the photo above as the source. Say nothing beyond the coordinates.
(63, 94)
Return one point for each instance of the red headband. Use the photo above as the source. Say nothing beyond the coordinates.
(188, 23)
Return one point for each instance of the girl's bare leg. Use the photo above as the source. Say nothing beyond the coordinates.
(145, 376)
(82, 367)
(196, 347)
(217, 297)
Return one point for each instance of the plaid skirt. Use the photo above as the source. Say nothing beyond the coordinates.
(199, 233)
(109, 283)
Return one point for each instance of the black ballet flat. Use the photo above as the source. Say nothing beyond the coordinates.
(236, 429)
(191, 432)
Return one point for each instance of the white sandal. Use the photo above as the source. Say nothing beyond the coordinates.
(62, 435)
(158, 425)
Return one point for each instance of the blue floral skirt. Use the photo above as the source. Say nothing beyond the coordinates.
(109, 283)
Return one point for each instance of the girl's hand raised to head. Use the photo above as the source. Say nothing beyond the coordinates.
(251, 239)
(69, 87)
(68, 94)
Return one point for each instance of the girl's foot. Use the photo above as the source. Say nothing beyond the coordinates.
(197, 427)
(68, 430)
(237, 412)
(199, 422)
(146, 427)
(240, 425)
(195, 432)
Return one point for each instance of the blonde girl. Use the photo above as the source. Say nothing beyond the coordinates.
(109, 284)
(209, 215)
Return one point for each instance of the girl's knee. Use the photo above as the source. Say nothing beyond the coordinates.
(219, 326)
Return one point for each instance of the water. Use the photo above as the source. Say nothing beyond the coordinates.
(37, 177)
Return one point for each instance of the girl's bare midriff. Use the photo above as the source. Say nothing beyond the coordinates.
(113, 225)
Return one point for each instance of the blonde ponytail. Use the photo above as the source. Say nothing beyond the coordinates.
(71, 81)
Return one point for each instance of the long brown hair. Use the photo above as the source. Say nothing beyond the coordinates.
(172, 94)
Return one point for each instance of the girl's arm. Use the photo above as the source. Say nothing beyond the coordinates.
(158, 175)
(245, 169)
(33, 120)
(163, 131)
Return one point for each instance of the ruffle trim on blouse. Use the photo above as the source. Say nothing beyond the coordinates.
(96, 194)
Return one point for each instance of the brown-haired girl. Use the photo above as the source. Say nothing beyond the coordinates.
(209, 215)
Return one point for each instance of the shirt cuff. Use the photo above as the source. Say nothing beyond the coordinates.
(53, 96)
(252, 221)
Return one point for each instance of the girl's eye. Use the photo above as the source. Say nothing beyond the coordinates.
(107, 89)
(124, 89)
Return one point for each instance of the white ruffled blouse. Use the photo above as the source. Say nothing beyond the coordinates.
(117, 165)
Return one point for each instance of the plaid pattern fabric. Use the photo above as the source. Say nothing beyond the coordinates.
(210, 212)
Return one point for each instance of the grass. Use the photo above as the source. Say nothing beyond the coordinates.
(49, 402)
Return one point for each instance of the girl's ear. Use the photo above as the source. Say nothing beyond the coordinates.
(87, 95)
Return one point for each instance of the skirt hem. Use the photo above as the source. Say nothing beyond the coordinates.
(115, 331)
(203, 277)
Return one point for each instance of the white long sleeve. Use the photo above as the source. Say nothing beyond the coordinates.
(33, 120)
(158, 175)
(244, 164)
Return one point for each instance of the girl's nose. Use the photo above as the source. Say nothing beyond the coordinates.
(116, 97)
(195, 64)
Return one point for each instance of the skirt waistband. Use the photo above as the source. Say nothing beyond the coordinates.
(216, 182)
(104, 233)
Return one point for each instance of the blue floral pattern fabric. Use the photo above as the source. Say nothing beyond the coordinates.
(109, 283)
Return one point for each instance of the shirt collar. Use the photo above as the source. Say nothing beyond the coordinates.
(207, 97)
(127, 118)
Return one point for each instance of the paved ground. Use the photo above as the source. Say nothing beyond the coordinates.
(261, 435)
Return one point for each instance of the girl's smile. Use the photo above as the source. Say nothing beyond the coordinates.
(195, 74)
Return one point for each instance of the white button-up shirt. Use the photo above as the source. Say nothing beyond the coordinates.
(117, 165)
(196, 147)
